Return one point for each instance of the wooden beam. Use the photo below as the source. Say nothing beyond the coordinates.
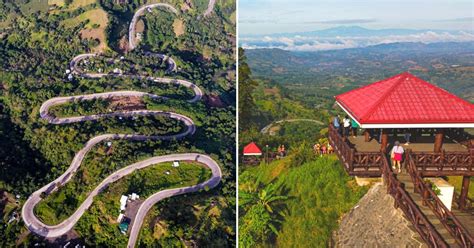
(464, 192)
(438, 140)
(366, 135)
(384, 141)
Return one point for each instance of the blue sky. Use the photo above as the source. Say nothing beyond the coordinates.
(277, 16)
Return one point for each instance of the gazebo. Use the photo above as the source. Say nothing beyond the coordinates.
(435, 118)
(251, 154)
(406, 102)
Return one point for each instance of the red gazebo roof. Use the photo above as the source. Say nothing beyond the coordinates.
(406, 101)
(252, 149)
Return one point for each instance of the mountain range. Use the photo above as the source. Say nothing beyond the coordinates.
(343, 37)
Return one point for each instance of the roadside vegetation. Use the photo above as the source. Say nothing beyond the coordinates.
(306, 199)
(298, 198)
(36, 48)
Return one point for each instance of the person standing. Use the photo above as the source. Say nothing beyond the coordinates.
(354, 126)
(407, 136)
(347, 125)
(336, 124)
(317, 148)
(397, 154)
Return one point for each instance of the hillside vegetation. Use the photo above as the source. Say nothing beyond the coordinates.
(318, 193)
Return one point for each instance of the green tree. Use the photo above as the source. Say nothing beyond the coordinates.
(246, 87)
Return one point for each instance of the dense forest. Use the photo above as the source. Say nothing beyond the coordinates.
(37, 42)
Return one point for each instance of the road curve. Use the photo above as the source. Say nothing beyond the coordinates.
(138, 13)
(152, 200)
(267, 127)
(38, 227)
(210, 7)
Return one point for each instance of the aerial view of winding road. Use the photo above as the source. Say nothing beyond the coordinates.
(28, 215)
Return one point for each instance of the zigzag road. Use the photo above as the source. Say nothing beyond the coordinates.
(38, 227)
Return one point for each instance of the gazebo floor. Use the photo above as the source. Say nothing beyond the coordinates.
(418, 144)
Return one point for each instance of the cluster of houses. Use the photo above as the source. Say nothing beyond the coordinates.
(122, 219)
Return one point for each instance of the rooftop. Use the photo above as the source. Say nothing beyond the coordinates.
(406, 101)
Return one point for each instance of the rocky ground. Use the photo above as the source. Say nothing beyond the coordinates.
(374, 222)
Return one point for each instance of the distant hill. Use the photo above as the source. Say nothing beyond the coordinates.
(449, 65)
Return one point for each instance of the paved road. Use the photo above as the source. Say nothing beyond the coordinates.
(152, 200)
(38, 227)
(210, 7)
(138, 13)
(267, 127)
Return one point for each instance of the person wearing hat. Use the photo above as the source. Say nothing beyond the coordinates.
(397, 154)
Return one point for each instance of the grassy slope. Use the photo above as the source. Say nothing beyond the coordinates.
(154, 178)
(320, 193)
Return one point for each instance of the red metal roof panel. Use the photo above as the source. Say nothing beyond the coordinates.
(405, 99)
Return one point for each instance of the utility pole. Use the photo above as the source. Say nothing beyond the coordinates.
(266, 154)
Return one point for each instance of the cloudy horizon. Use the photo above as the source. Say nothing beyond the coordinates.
(259, 17)
(440, 21)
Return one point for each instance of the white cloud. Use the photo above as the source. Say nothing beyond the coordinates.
(313, 43)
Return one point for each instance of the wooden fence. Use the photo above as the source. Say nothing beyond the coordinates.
(430, 199)
(403, 201)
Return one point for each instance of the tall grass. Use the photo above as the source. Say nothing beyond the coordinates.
(319, 191)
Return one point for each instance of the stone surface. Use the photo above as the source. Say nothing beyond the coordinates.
(374, 222)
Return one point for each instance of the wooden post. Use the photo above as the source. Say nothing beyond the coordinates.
(366, 135)
(438, 140)
(384, 142)
(464, 191)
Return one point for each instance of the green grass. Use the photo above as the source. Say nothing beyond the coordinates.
(96, 167)
(319, 191)
(456, 181)
(101, 216)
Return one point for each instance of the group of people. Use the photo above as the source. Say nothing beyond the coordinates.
(322, 149)
(346, 126)
(281, 151)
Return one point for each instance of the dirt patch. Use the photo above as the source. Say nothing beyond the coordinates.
(214, 101)
(94, 29)
(178, 27)
(128, 103)
(123, 44)
(140, 27)
(95, 34)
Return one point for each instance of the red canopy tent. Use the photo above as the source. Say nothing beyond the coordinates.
(252, 150)
(405, 101)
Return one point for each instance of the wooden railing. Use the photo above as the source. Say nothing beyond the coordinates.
(403, 201)
(356, 163)
(444, 163)
(255, 160)
(430, 199)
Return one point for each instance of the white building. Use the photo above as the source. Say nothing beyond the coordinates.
(134, 197)
(123, 202)
(175, 164)
(120, 218)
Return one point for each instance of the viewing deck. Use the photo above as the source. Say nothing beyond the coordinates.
(364, 159)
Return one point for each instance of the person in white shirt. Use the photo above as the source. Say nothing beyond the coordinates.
(347, 125)
(397, 154)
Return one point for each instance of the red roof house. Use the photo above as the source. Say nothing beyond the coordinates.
(252, 149)
(405, 101)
